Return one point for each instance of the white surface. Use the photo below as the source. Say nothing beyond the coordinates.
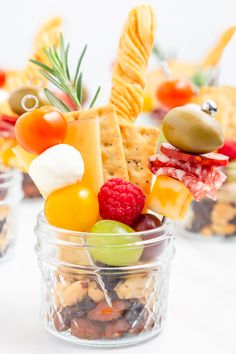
(187, 28)
(202, 302)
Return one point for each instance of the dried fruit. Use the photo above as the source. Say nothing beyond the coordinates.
(87, 304)
(84, 329)
(201, 212)
(59, 323)
(67, 314)
(110, 280)
(116, 329)
(135, 312)
(103, 312)
(62, 319)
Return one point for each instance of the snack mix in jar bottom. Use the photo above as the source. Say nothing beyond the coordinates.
(214, 218)
(94, 304)
(10, 196)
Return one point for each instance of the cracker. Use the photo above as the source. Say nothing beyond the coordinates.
(139, 144)
(214, 55)
(135, 48)
(113, 156)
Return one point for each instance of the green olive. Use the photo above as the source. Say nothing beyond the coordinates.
(15, 98)
(190, 129)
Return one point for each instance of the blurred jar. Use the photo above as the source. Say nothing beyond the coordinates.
(29, 188)
(93, 304)
(214, 218)
(10, 196)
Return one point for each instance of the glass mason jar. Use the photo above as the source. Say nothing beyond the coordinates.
(10, 196)
(29, 188)
(214, 218)
(92, 304)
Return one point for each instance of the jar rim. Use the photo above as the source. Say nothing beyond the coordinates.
(42, 222)
(46, 243)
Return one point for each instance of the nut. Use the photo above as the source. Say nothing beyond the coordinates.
(71, 294)
(222, 213)
(94, 292)
(228, 229)
(135, 286)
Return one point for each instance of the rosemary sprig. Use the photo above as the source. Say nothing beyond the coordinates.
(55, 101)
(58, 73)
(95, 97)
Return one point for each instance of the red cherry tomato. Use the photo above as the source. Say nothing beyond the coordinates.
(2, 77)
(40, 129)
(175, 92)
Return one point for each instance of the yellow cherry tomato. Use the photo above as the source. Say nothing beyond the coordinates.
(73, 208)
(148, 103)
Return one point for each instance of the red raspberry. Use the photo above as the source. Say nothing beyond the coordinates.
(121, 201)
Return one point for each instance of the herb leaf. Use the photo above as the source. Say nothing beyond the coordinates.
(58, 73)
(79, 63)
(55, 101)
(95, 97)
(79, 87)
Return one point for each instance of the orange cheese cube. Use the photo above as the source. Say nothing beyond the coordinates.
(24, 158)
(169, 198)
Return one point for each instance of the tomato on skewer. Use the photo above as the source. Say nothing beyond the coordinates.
(175, 92)
(2, 77)
(40, 129)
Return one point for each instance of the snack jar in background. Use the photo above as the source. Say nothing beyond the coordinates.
(90, 303)
(211, 219)
(10, 197)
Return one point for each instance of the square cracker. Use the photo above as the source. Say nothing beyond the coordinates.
(139, 144)
(113, 156)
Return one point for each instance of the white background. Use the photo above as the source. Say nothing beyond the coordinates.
(202, 306)
(187, 27)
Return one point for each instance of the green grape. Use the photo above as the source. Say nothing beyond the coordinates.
(114, 250)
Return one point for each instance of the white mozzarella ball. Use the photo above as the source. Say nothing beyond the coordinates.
(57, 167)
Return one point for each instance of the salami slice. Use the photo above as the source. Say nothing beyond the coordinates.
(210, 159)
